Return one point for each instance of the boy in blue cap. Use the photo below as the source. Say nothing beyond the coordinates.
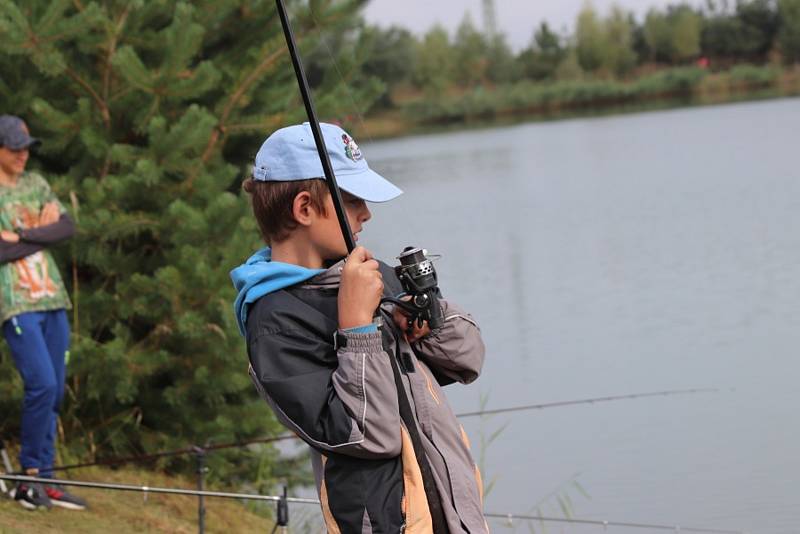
(325, 366)
(33, 301)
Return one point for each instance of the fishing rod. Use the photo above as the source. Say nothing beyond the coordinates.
(297, 500)
(151, 489)
(605, 524)
(588, 401)
(313, 121)
(413, 273)
(165, 454)
(240, 444)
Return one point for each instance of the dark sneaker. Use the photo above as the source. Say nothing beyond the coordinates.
(32, 496)
(59, 496)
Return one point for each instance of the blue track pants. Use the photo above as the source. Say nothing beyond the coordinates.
(39, 342)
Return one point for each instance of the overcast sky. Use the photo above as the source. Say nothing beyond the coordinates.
(516, 18)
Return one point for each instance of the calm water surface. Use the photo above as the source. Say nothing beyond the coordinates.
(620, 255)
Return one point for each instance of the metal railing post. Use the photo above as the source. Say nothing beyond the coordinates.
(200, 456)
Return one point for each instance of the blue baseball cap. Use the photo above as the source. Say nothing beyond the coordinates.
(290, 154)
(14, 133)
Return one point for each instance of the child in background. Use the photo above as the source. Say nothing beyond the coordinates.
(33, 304)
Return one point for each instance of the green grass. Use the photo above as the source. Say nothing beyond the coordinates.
(555, 97)
(753, 75)
(686, 85)
(122, 512)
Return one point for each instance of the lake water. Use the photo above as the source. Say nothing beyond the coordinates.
(620, 255)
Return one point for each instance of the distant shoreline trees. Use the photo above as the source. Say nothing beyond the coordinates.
(611, 46)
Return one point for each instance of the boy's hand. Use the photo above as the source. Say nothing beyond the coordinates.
(360, 290)
(412, 331)
(49, 214)
(9, 236)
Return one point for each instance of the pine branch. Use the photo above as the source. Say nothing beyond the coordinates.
(112, 48)
(98, 100)
(259, 71)
(254, 75)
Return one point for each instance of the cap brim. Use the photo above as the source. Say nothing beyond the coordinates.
(369, 185)
(30, 142)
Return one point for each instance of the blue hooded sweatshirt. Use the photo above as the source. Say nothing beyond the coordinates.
(259, 276)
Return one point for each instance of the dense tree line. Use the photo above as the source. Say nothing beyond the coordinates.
(602, 45)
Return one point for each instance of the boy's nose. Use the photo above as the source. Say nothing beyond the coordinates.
(365, 214)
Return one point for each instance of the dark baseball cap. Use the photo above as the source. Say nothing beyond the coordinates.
(14, 134)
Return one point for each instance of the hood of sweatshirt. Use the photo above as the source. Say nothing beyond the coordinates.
(259, 276)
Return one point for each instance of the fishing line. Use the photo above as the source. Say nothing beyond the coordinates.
(588, 401)
(349, 91)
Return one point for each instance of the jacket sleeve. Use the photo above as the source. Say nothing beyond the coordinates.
(455, 350)
(345, 402)
(51, 234)
(15, 251)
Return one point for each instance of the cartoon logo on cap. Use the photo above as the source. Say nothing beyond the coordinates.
(351, 148)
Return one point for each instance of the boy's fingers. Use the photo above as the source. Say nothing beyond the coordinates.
(400, 311)
(360, 254)
(400, 319)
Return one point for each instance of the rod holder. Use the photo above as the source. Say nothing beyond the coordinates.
(282, 515)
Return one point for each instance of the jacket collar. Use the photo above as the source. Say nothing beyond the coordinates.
(329, 278)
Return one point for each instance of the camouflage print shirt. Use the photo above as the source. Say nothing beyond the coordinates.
(32, 283)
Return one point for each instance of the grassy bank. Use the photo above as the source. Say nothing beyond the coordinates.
(124, 512)
(669, 87)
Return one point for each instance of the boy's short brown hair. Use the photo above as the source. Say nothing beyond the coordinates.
(273, 203)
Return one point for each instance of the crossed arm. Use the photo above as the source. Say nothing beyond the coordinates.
(56, 227)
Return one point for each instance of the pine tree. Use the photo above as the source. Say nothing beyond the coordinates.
(150, 112)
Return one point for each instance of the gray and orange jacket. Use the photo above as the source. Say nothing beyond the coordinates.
(343, 403)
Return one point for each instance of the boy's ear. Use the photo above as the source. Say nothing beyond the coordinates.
(303, 209)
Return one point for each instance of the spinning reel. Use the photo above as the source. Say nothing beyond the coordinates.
(420, 283)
